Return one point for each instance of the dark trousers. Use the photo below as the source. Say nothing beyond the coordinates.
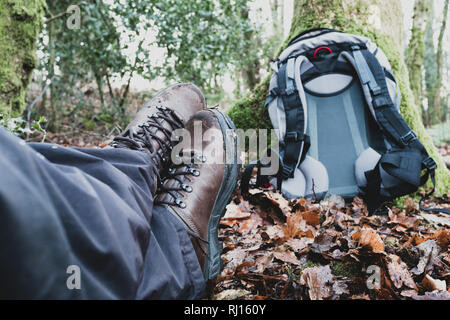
(80, 224)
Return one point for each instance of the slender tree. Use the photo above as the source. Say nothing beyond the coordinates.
(429, 65)
(436, 113)
(381, 21)
(415, 53)
(20, 22)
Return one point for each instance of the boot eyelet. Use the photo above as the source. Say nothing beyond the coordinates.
(172, 170)
(194, 172)
(180, 203)
(186, 188)
(201, 158)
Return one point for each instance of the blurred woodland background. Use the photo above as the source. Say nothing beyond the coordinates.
(74, 73)
(90, 78)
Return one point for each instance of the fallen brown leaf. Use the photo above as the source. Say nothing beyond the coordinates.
(431, 284)
(288, 257)
(318, 280)
(399, 274)
(368, 237)
(428, 250)
(442, 238)
(231, 294)
(311, 218)
(435, 295)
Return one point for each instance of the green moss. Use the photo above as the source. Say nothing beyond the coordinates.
(20, 22)
(249, 112)
(347, 269)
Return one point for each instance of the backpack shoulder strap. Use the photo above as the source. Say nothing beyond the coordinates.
(295, 138)
(391, 122)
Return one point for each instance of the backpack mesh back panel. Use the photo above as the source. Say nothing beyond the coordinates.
(338, 132)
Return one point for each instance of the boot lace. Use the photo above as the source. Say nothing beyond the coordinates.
(180, 173)
(142, 138)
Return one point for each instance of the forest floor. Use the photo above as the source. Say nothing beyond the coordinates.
(279, 249)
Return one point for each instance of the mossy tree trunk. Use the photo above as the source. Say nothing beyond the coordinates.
(429, 62)
(415, 54)
(437, 114)
(381, 21)
(20, 23)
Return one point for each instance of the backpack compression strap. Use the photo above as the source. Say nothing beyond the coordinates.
(295, 138)
(371, 73)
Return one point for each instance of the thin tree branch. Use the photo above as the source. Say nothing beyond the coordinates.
(31, 106)
(60, 15)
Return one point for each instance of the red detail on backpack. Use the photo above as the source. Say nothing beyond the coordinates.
(320, 48)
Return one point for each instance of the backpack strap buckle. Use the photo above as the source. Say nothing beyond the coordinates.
(290, 91)
(429, 163)
(408, 138)
(274, 91)
(293, 136)
(286, 171)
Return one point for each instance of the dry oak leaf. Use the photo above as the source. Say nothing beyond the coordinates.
(235, 212)
(410, 205)
(414, 240)
(440, 219)
(288, 257)
(299, 244)
(402, 219)
(442, 238)
(318, 281)
(431, 284)
(428, 250)
(295, 225)
(398, 272)
(368, 237)
(231, 294)
(263, 262)
(312, 218)
(435, 295)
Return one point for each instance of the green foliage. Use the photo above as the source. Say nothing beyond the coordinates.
(21, 128)
(201, 39)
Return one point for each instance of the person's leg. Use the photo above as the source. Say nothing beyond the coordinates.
(171, 269)
(55, 216)
(92, 209)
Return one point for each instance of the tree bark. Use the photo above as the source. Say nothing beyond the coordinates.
(381, 21)
(251, 69)
(437, 114)
(20, 23)
(415, 55)
(429, 62)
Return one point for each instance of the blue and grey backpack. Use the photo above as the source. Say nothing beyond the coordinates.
(335, 104)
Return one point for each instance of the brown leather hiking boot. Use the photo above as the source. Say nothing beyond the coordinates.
(198, 190)
(152, 127)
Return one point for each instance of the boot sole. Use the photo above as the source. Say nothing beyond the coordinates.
(213, 264)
